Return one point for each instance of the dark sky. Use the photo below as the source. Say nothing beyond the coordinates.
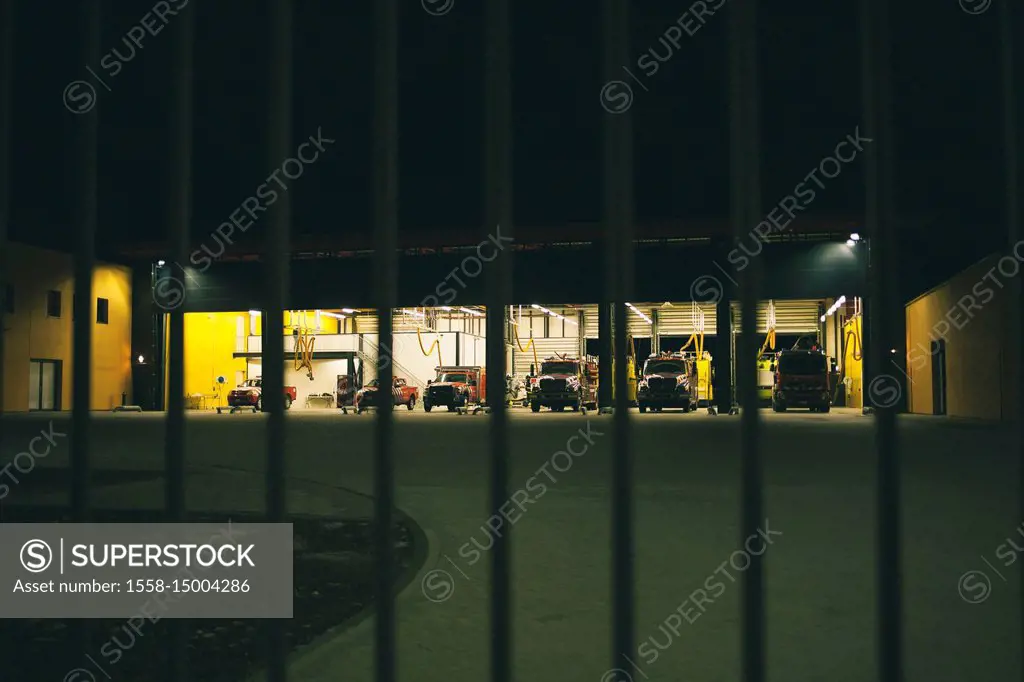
(946, 108)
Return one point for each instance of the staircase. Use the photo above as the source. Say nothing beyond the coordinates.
(370, 359)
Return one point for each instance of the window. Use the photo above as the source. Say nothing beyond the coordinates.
(102, 311)
(53, 304)
(8, 299)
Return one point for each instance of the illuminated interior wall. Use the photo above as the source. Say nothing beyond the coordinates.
(853, 365)
(211, 339)
(30, 334)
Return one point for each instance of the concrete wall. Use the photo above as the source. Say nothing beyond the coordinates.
(971, 312)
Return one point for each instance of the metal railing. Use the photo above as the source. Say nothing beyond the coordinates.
(618, 245)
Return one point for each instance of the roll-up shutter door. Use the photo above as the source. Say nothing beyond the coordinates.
(679, 321)
(791, 317)
(545, 348)
(366, 324)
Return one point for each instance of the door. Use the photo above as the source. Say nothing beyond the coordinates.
(939, 376)
(44, 382)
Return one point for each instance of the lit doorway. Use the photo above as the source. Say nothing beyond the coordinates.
(939, 376)
(44, 382)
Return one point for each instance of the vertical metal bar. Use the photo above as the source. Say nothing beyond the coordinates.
(277, 258)
(385, 141)
(746, 205)
(8, 630)
(881, 229)
(618, 212)
(6, 94)
(179, 213)
(498, 174)
(86, 136)
(1011, 145)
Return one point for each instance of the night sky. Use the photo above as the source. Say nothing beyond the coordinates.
(947, 110)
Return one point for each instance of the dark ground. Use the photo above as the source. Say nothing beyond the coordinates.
(960, 505)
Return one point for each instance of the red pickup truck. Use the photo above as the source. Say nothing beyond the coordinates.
(402, 394)
(250, 394)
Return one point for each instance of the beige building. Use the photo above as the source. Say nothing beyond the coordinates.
(962, 359)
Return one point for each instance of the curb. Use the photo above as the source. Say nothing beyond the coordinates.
(315, 655)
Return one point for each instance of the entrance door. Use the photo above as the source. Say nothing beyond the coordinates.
(939, 376)
(44, 382)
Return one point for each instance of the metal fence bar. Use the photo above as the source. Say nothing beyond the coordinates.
(86, 137)
(746, 205)
(884, 311)
(6, 122)
(499, 295)
(1012, 150)
(277, 260)
(179, 214)
(385, 142)
(618, 214)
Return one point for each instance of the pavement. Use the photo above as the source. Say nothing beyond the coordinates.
(960, 508)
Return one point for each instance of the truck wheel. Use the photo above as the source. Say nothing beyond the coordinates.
(411, 404)
(259, 404)
(535, 407)
(451, 408)
(426, 406)
(825, 408)
(287, 402)
(776, 407)
(576, 406)
(643, 408)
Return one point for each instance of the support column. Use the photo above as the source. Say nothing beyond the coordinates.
(655, 341)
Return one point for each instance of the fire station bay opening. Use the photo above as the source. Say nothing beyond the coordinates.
(552, 352)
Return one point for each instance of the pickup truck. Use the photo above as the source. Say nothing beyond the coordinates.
(401, 393)
(250, 394)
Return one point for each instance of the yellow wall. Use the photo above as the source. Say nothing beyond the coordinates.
(211, 340)
(981, 359)
(31, 334)
(853, 361)
(210, 343)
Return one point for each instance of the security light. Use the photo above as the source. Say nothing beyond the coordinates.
(141, 359)
(855, 237)
(850, 242)
(161, 263)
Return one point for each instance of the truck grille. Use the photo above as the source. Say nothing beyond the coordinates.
(661, 384)
(552, 385)
(441, 391)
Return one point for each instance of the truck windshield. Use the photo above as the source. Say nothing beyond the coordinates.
(253, 383)
(452, 378)
(665, 366)
(558, 368)
(802, 364)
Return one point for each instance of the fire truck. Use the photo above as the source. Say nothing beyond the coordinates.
(669, 380)
(566, 382)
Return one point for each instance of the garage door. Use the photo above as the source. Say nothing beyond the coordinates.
(791, 317)
(638, 328)
(545, 348)
(678, 320)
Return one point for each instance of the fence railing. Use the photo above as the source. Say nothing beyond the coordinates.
(618, 245)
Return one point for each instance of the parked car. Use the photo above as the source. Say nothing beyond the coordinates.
(454, 387)
(250, 394)
(401, 394)
(668, 380)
